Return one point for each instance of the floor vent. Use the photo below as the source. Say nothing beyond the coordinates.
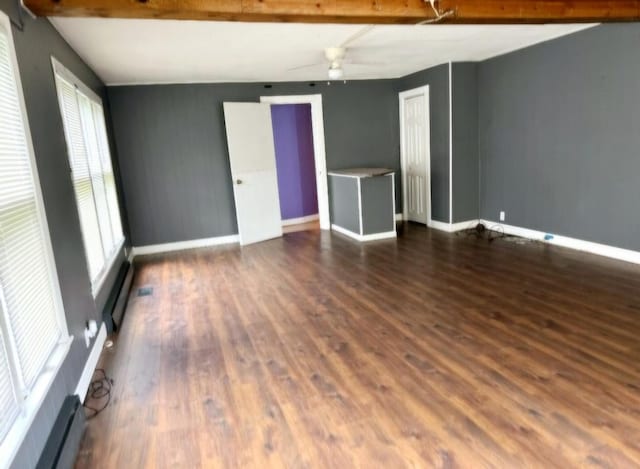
(145, 291)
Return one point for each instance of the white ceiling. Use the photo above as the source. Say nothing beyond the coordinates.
(123, 51)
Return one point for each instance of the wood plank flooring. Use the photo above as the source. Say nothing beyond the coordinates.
(432, 350)
(311, 225)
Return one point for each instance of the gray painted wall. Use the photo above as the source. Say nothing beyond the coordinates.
(465, 160)
(35, 44)
(558, 150)
(377, 205)
(343, 203)
(173, 153)
(438, 80)
(559, 136)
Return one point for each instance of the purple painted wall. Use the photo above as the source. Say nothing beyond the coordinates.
(293, 139)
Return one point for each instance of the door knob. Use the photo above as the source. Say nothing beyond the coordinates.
(238, 181)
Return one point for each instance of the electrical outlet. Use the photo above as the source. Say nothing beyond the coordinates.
(502, 215)
(92, 325)
(90, 332)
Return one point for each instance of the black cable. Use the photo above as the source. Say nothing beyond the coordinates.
(99, 389)
(496, 232)
(480, 231)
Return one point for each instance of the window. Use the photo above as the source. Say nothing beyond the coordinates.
(33, 333)
(91, 171)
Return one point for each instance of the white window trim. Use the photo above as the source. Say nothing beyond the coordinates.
(30, 406)
(65, 73)
(98, 282)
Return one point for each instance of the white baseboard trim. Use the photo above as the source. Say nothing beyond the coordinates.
(571, 243)
(368, 237)
(130, 255)
(300, 220)
(452, 227)
(439, 225)
(182, 245)
(399, 217)
(464, 225)
(92, 362)
(377, 236)
(345, 232)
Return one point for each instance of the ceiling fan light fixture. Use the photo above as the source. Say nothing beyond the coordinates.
(335, 73)
(334, 54)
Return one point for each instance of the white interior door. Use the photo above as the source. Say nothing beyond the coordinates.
(415, 148)
(253, 169)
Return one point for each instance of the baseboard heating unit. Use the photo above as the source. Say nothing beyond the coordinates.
(114, 309)
(64, 441)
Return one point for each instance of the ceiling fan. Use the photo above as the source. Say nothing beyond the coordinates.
(336, 57)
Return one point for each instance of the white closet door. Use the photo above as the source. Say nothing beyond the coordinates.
(414, 106)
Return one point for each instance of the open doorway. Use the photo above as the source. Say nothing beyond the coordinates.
(295, 165)
(312, 110)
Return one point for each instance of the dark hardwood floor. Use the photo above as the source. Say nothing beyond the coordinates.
(434, 350)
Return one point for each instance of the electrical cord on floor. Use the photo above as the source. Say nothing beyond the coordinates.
(477, 230)
(99, 389)
(480, 231)
(496, 232)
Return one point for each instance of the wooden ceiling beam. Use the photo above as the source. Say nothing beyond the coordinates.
(548, 11)
(349, 11)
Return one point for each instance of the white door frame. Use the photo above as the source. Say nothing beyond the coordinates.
(424, 91)
(320, 157)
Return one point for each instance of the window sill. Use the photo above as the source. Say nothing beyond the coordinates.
(98, 283)
(30, 407)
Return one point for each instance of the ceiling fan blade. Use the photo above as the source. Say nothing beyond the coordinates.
(365, 63)
(357, 35)
(317, 64)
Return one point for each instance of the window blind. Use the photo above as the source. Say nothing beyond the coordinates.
(109, 179)
(92, 173)
(8, 402)
(28, 310)
(97, 176)
(81, 176)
